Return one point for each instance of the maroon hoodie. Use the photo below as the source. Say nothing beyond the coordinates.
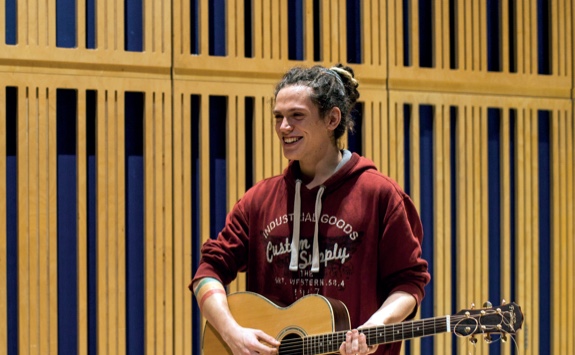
(367, 241)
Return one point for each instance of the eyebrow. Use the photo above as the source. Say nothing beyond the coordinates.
(291, 110)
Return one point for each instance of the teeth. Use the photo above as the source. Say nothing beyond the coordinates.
(290, 140)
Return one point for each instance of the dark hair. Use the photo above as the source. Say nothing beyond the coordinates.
(334, 87)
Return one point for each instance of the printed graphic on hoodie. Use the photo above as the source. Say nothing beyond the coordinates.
(335, 253)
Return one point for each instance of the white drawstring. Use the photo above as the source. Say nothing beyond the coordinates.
(315, 258)
(293, 266)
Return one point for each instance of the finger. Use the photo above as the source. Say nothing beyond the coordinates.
(363, 348)
(352, 342)
(267, 339)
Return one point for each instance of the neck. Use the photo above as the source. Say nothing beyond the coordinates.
(316, 173)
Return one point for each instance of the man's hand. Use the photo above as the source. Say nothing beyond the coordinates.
(355, 343)
(244, 341)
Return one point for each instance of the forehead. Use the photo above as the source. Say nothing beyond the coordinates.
(293, 96)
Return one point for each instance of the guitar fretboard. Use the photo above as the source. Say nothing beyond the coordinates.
(328, 343)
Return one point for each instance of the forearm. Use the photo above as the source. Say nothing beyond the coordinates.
(396, 308)
(213, 303)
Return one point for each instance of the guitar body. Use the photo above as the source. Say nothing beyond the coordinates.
(312, 314)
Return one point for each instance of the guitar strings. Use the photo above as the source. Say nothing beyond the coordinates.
(299, 344)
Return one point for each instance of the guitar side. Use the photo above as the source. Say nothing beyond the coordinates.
(312, 314)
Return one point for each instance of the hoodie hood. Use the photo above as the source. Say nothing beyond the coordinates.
(351, 165)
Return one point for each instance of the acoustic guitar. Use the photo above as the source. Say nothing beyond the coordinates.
(317, 325)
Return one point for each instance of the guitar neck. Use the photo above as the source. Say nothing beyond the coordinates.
(329, 343)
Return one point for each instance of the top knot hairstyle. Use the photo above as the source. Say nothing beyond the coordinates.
(333, 87)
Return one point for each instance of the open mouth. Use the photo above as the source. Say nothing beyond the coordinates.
(291, 140)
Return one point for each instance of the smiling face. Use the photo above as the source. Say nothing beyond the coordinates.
(304, 135)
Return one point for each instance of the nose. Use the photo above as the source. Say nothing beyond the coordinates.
(285, 125)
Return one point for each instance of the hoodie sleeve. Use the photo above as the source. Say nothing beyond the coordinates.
(402, 267)
(224, 257)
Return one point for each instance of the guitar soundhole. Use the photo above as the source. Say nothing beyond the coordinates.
(291, 344)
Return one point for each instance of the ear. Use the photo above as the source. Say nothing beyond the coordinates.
(333, 118)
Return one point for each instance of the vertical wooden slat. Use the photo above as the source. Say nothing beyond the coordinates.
(462, 190)
(392, 143)
(82, 227)
(570, 147)
(180, 237)
(258, 36)
(569, 42)
(482, 34)
(415, 177)
(505, 31)
(240, 30)
(341, 42)
(102, 225)
(478, 24)
(33, 228)
(258, 142)
(267, 137)
(283, 31)
(159, 246)
(112, 211)
(484, 202)
(464, 34)
(181, 26)
(396, 33)
(459, 49)
(506, 218)
(81, 24)
(33, 23)
(267, 28)
(535, 224)
(119, 25)
(204, 27)
(563, 237)
(204, 147)
(533, 40)
(232, 167)
(475, 210)
(375, 115)
(53, 221)
(3, 209)
(121, 221)
(276, 38)
(369, 131)
(2, 33)
(414, 33)
(439, 250)
(369, 33)
(324, 31)
(441, 35)
(232, 28)
(187, 250)
(39, 180)
(391, 113)
(149, 25)
(414, 158)
(519, 36)
(166, 114)
(42, 20)
(44, 281)
(520, 211)
(151, 232)
(555, 233)
(24, 310)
